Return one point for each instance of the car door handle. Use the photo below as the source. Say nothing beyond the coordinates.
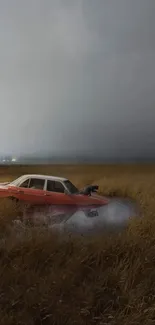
(46, 194)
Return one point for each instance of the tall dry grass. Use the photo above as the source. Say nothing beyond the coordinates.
(47, 279)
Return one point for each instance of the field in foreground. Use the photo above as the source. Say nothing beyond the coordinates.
(104, 280)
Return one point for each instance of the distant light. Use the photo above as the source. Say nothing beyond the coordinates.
(4, 160)
(13, 159)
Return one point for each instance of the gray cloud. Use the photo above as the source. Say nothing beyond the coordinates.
(77, 76)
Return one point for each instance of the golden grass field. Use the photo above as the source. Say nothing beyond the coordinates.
(101, 280)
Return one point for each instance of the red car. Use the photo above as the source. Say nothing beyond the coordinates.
(50, 190)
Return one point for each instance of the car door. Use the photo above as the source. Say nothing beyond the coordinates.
(32, 191)
(55, 194)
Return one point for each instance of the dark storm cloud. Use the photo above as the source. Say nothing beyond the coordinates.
(77, 76)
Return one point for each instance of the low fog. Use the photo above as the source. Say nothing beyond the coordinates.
(77, 76)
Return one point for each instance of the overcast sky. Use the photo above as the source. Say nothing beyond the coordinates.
(77, 75)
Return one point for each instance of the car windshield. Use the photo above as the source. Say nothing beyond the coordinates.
(72, 189)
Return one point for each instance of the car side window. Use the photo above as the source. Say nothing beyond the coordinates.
(54, 186)
(25, 184)
(36, 183)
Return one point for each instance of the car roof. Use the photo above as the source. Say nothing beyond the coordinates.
(54, 178)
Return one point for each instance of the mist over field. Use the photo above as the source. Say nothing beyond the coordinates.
(111, 275)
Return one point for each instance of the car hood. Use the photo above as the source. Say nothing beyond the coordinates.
(94, 199)
(103, 200)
